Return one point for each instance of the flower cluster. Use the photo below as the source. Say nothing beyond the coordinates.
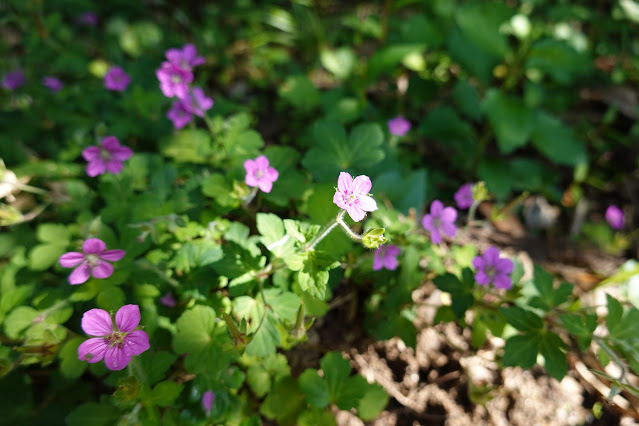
(175, 76)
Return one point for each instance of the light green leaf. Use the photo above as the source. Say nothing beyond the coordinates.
(372, 403)
(189, 146)
(53, 233)
(195, 327)
(340, 62)
(165, 393)
(44, 256)
(18, 320)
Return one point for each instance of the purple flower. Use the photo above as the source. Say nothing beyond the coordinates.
(260, 174)
(174, 81)
(386, 257)
(614, 216)
(441, 219)
(352, 195)
(116, 79)
(88, 18)
(197, 102)
(168, 300)
(116, 345)
(207, 400)
(53, 83)
(106, 158)
(13, 79)
(398, 126)
(464, 196)
(179, 114)
(186, 58)
(93, 262)
(491, 268)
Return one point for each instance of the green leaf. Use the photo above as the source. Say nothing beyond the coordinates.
(299, 91)
(314, 417)
(128, 389)
(284, 403)
(465, 51)
(521, 350)
(165, 393)
(340, 62)
(245, 145)
(195, 327)
(555, 359)
(217, 187)
(54, 234)
(189, 146)
(372, 403)
(156, 364)
(510, 118)
(386, 59)
(274, 236)
(315, 388)
(467, 99)
(498, 176)
(615, 311)
(449, 283)
(111, 298)
(44, 256)
(93, 414)
(336, 370)
(480, 22)
(70, 366)
(522, 319)
(351, 393)
(18, 320)
(558, 59)
(556, 141)
(415, 187)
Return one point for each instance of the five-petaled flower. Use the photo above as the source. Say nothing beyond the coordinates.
(174, 81)
(491, 268)
(116, 79)
(108, 157)
(614, 216)
(352, 195)
(440, 220)
(386, 257)
(207, 400)
(186, 58)
(464, 196)
(259, 173)
(398, 126)
(94, 261)
(116, 345)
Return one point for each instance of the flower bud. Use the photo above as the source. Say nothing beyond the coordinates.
(374, 238)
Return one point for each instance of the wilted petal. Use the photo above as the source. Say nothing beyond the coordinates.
(71, 259)
(97, 322)
(93, 246)
(112, 255)
(127, 318)
(136, 342)
(80, 274)
(367, 203)
(91, 153)
(92, 350)
(102, 270)
(344, 182)
(362, 185)
(116, 358)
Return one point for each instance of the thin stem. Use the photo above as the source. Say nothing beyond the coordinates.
(250, 196)
(324, 232)
(347, 229)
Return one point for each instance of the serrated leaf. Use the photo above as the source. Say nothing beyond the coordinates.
(315, 388)
(274, 236)
(374, 400)
(195, 328)
(555, 360)
(521, 350)
(522, 319)
(284, 403)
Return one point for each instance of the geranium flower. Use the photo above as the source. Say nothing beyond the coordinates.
(259, 173)
(168, 300)
(491, 268)
(186, 58)
(614, 216)
(386, 257)
(197, 102)
(174, 81)
(108, 157)
(94, 261)
(13, 79)
(398, 126)
(352, 195)
(207, 400)
(116, 79)
(179, 114)
(116, 345)
(440, 220)
(53, 83)
(464, 196)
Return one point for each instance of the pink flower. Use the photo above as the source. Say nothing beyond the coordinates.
(398, 126)
(116, 79)
(53, 83)
(106, 158)
(386, 257)
(207, 400)
(614, 216)
(179, 114)
(13, 79)
(168, 300)
(116, 345)
(93, 262)
(197, 102)
(174, 81)
(260, 174)
(491, 268)
(352, 195)
(440, 220)
(464, 196)
(186, 58)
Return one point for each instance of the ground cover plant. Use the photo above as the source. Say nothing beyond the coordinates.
(318, 212)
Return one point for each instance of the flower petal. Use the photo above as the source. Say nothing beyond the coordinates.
(338, 199)
(427, 222)
(80, 274)
(122, 153)
(449, 214)
(127, 318)
(391, 263)
(435, 236)
(436, 208)
(393, 250)
(448, 229)
(271, 174)
(355, 213)
(265, 185)
(97, 322)
(478, 262)
(378, 260)
(136, 342)
(502, 281)
(71, 259)
(96, 167)
(362, 185)
(262, 162)
(102, 270)
(93, 246)
(504, 266)
(110, 143)
(491, 256)
(92, 350)
(91, 153)
(482, 278)
(367, 203)
(116, 358)
(114, 166)
(112, 255)
(344, 182)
